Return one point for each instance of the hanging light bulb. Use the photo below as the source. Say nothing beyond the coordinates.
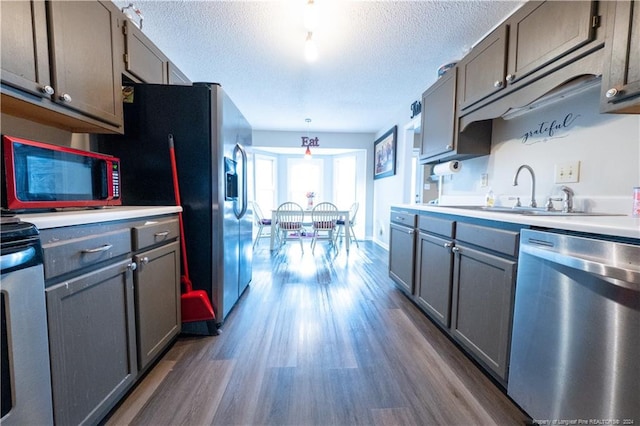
(310, 49)
(310, 18)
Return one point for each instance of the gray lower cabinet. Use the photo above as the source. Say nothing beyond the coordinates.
(482, 308)
(402, 249)
(157, 292)
(434, 269)
(92, 342)
(464, 280)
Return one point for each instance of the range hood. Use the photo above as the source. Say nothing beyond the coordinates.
(565, 91)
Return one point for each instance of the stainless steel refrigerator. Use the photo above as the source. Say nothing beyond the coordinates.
(212, 147)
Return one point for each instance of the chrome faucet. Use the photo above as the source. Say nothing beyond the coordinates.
(533, 183)
(567, 202)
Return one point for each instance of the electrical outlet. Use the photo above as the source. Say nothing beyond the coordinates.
(567, 172)
(484, 180)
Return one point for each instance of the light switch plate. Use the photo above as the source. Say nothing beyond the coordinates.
(567, 172)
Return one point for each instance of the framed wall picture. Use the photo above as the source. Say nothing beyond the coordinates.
(384, 154)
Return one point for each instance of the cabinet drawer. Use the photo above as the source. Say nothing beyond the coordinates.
(436, 225)
(406, 219)
(69, 255)
(499, 240)
(154, 232)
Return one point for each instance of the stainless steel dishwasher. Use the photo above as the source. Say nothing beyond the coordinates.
(575, 349)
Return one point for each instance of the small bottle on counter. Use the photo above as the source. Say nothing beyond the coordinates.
(635, 212)
(490, 198)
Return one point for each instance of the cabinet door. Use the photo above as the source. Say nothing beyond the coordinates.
(92, 343)
(482, 308)
(176, 76)
(401, 256)
(434, 270)
(143, 59)
(25, 53)
(157, 290)
(438, 117)
(482, 71)
(621, 78)
(543, 32)
(84, 37)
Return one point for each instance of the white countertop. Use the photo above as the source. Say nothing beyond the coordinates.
(619, 226)
(57, 219)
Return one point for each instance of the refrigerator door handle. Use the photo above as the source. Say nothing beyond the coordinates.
(244, 199)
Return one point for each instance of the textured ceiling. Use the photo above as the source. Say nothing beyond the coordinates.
(375, 57)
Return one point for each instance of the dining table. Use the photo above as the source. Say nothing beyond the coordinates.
(344, 215)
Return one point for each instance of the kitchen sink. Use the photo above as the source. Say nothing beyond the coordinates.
(532, 211)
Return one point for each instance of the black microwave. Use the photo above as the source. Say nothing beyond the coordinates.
(38, 175)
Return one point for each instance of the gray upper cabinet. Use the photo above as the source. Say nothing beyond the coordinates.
(441, 137)
(438, 117)
(541, 46)
(482, 71)
(143, 60)
(25, 50)
(621, 76)
(543, 32)
(176, 76)
(60, 69)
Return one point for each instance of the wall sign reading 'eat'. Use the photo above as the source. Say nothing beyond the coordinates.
(547, 130)
(307, 141)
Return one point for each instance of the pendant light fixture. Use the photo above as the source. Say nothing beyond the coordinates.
(307, 153)
(310, 21)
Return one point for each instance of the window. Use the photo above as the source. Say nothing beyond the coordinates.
(265, 179)
(305, 176)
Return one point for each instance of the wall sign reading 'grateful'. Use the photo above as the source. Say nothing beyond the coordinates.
(547, 130)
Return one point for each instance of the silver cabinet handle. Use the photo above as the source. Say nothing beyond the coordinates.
(65, 97)
(98, 249)
(611, 93)
(456, 249)
(132, 266)
(400, 218)
(510, 77)
(144, 260)
(498, 83)
(449, 147)
(448, 245)
(161, 234)
(47, 90)
(410, 232)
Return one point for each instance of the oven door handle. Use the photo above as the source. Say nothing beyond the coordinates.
(11, 260)
(616, 275)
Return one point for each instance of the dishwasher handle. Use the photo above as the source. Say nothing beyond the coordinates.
(616, 275)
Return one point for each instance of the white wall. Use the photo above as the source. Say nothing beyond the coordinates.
(607, 146)
(394, 189)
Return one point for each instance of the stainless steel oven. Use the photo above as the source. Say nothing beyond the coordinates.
(575, 351)
(26, 379)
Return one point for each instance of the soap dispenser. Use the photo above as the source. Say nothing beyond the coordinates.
(490, 198)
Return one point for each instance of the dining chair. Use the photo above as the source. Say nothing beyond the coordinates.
(261, 222)
(344, 227)
(324, 217)
(289, 218)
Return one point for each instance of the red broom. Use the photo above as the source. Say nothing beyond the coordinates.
(195, 303)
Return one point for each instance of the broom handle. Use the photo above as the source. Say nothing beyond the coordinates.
(176, 190)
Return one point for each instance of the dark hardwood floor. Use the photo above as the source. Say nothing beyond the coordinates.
(320, 339)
